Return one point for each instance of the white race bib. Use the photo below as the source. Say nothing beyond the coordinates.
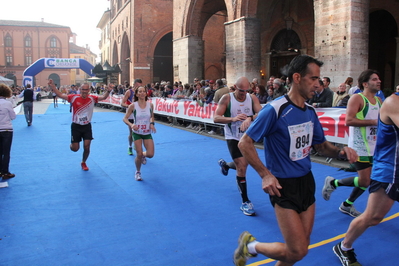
(300, 140)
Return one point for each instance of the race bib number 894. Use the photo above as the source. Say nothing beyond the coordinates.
(300, 140)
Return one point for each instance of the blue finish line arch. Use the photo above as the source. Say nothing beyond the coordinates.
(55, 63)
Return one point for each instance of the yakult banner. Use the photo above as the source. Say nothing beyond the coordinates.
(61, 62)
(332, 119)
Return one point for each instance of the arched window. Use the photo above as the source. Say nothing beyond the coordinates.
(28, 41)
(53, 42)
(286, 40)
(8, 41)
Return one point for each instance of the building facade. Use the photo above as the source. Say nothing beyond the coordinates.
(181, 40)
(24, 42)
(78, 76)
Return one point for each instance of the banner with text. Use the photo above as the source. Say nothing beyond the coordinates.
(332, 119)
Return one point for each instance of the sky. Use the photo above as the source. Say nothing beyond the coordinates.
(82, 16)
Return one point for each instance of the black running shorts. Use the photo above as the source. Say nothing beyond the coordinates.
(296, 193)
(235, 152)
(79, 132)
(392, 190)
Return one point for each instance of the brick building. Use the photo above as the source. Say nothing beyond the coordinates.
(78, 76)
(181, 40)
(24, 42)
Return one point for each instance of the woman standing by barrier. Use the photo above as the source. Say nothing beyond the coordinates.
(143, 126)
(6, 131)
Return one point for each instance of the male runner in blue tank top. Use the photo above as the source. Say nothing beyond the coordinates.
(384, 186)
(289, 127)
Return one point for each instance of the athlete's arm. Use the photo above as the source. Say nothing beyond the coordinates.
(152, 120)
(389, 113)
(56, 91)
(125, 98)
(129, 111)
(221, 109)
(329, 150)
(355, 104)
(107, 92)
(270, 183)
(256, 108)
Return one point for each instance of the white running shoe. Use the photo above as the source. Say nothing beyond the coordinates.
(137, 176)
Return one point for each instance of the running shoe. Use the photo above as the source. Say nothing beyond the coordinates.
(8, 176)
(137, 176)
(347, 258)
(211, 132)
(241, 254)
(84, 167)
(143, 160)
(130, 151)
(350, 210)
(223, 167)
(247, 208)
(327, 188)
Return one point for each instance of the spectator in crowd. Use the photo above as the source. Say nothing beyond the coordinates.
(28, 96)
(340, 94)
(349, 81)
(6, 130)
(188, 90)
(150, 90)
(278, 88)
(126, 101)
(270, 94)
(220, 91)
(210, 92)
(175, 88)
(397, 88)
(261, 93)
(167, 92)
(255, 82)
(323, 96)
(326, 82)
(179, 94)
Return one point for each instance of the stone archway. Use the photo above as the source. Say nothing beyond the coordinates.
(56, 79)
(285, 46)
(125, 60)
(383, 31)
(163, 59)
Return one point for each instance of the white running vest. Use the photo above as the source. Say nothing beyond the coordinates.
(142, 118)
(363, 139)
(232, 130)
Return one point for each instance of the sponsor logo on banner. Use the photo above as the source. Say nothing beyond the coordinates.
(61, 62)
(27, 80)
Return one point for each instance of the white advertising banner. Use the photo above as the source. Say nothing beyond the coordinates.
(61, 62)
(332, 119)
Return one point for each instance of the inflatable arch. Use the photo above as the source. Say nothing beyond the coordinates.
(55, 63)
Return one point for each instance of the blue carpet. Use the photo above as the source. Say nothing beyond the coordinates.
(183, 213)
